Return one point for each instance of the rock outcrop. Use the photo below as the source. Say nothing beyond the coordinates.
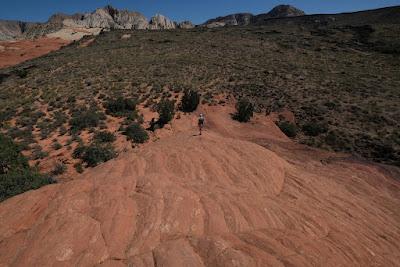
(160, 22)
(58, 18)
(131, 20)
(11, 29)
(185, 25)
(240, 19)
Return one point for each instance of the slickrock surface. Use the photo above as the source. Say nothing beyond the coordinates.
(239, 195)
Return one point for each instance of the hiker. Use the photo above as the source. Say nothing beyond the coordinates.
(201, 122)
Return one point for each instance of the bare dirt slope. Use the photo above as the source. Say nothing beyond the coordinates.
(239, 195)
(15, 52)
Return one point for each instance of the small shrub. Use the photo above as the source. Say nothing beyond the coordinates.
(86, 119)
(136, 133)
(166, 111)
(22, 73)
(59, 119)
(38, 153)
(134, 116)
(244, 110)
(104, 137)
(94, 154)
(289, 129)
(62, 130)
(78, 152)
(56, 146)
(335, 140)
(314, 129)
(120, 106)
(78, 167)
(59, 169)
(190, 101)
(71, 99)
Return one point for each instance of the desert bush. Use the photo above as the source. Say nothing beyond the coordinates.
(94, 154)
(136, 133)
(120, 106)
(56, 146)
(59, 169)
(104, 137)
(22, 73)
(244, 110)
(288, 128)
(38, 153)
(85, 119)
(16, 176)
(59, 119)
(62, 130)
(190, 101)
(71, 99)
(2, 77)
(134, 116)
(166, 111)
(314, 128)
(78, 152)
(78, 167)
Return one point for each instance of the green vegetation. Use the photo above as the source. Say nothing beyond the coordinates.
(339, 78)
(56, 146)
(85, 118)
(287, 128)
(78, 167)
(104, 137)
(244, 110)
(38, 153)
(16, 176)
(190, 101)
(94, 154)
(136, 133)
(59, 169)
(22, 73)
(166, 111)
(314, 129)
(120, 106)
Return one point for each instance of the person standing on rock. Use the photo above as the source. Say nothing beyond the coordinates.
(201, 122)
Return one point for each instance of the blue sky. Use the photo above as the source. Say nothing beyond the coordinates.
(195, 10)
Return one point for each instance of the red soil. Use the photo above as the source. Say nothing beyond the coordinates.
(15, 52)
(239, 195)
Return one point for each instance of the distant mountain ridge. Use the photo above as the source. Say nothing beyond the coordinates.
(244, 19)
(74, 27)
(108, 17)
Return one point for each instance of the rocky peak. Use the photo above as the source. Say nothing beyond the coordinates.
(282, 11)
(110, 10)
